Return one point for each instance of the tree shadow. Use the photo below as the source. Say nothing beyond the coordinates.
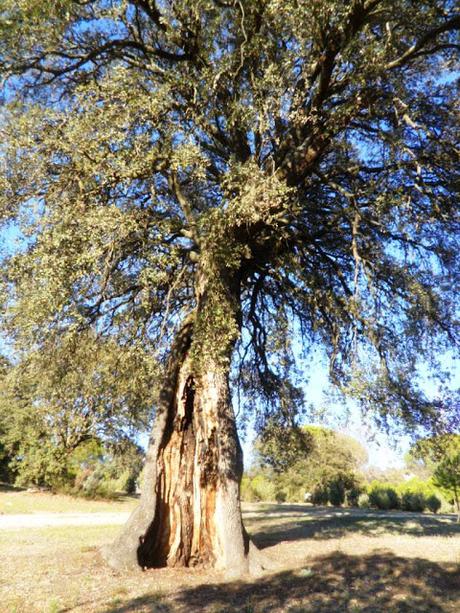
(263, 508)
(379, 582)
(269, 510)
(147, 602)
(7, 487)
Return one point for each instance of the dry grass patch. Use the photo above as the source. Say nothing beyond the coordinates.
(13, 501)
(328, 561)
(60, 569)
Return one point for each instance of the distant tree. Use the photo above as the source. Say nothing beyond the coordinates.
(7, 451)
(100, 469)
(7, 472)
(418, 466)
(281, 447)
(432, 450)
(447, 476)
(206, 181)
(325, 463)
(384, 475)
(49, 408)
(442, 455)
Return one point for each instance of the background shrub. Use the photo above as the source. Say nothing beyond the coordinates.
(353, 496)
(246, 491)
(320, 495)
(280, 496)
(433, 503)
(257, 489)
(393, 497)
(383, 497)
(413, 501)
(336, 493)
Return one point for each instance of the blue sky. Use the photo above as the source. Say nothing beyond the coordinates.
(384, 450)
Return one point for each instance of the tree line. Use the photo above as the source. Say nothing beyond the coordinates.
(50, 438)
(318, 465)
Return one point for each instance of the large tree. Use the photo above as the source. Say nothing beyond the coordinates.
(311, 459)
(205, 180)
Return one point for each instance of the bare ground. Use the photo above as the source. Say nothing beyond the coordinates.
(327, 561)
(47, 520)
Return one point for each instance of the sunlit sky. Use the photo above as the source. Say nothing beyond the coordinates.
(385, 450)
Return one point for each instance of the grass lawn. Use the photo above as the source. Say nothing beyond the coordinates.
(14, 500)
(327, 561)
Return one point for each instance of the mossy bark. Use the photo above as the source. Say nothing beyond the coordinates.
(189, 512)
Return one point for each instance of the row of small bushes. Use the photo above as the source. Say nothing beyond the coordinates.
(260, 488)
(102, 482)
(336, 492)
(342, 489)
(415, 495)
(385, 497)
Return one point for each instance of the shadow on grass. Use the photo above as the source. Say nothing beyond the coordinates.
(7, 487)
(264, 510)
(380, 582)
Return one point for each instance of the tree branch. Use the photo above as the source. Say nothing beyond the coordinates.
(450, 25)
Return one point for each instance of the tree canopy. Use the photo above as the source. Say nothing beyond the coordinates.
(89, 392)
(284, 449)
(310, 146)
(312, 459)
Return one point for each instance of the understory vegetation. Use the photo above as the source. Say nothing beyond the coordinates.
(93, 470)
(324, 467)
(412, 495)
(53, 437)
(310, 464)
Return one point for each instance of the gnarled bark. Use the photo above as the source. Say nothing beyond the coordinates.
(189, 512)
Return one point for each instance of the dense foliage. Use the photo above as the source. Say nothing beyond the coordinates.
(412, 495)
(309, 150)
(329, 467)
(62, 423)
(441, 455)
(325, 466)
(447, 477)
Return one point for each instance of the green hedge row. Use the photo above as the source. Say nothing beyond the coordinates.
(414, 495)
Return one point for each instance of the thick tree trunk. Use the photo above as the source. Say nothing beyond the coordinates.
(189, 513)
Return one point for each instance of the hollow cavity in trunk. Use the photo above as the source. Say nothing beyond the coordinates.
(189, 512)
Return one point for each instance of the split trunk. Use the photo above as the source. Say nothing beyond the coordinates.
(189, 512)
